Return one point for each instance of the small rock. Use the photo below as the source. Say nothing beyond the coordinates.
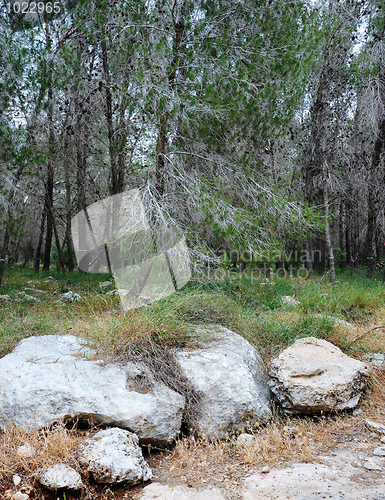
(265, 470)
(49, 279)
(375, 426)
(60, 477)
(16, 480)
(113, 456)
(377, 359)
(28, 298)
(67, 298)
(26, 451)
(17, 496)
(382, 439)
(245, 439)
(5, 298)
(105, 284)
(288, 300)
(338, 321)
(358, 413)
(371, 464)
(380, 451)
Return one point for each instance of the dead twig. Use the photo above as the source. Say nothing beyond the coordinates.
(359, 337)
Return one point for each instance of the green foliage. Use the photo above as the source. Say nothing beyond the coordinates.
(246, 306)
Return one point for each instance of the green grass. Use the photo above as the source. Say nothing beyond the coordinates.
(246, 306)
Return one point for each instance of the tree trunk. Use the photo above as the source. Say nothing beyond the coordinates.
(68, 235)
(37, 259)
(50, 167)
(372, 192)
(7, 233)
(342, 234)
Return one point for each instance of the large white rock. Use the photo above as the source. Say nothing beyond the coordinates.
(228, 373)
(46, 379)
(314, 375)
(113, 456)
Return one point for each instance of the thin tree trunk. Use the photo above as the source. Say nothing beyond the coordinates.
(50, 168)
(49, 216)
(161, 149)
(328, 241)
(342, 233)
(372, 194)
(37, 259)
(68, 235)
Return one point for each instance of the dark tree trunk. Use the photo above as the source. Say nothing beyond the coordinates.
(37, 259)
(49, 228)
(348, 247)
(50, 167)
(372, 194)
(4, 253)
(68, 235)
(342, 234)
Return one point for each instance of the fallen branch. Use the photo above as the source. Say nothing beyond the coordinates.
(359, 337)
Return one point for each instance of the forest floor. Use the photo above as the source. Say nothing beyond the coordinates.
(249, 307)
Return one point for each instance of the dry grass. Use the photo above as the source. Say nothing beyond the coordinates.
(282, 441)
(146, 335)
(373, 404)
(47, 448)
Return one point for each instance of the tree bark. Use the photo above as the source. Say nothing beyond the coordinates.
(37, 259)
(373, 187)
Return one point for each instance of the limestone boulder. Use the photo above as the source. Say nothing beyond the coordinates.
(228, 374)
(56, 377)
(314, 375)
(113, 456)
